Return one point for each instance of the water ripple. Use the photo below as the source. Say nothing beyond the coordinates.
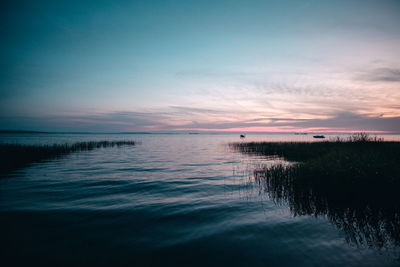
(173, 200)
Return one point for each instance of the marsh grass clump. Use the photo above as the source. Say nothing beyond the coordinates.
(304, 151)
(355, 182)
(14, 156)
(367, 211)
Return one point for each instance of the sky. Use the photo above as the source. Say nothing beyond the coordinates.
(246, 66)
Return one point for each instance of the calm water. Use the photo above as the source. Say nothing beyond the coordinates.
(170, 200)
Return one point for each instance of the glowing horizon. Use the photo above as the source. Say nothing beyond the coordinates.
(284, 130)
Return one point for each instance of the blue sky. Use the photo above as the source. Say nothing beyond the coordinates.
(200, 65)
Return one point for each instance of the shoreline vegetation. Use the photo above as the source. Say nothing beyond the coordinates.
(16, 156)
(354, 182)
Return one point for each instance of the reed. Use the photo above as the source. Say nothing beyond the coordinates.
(303, 151)
(354, 182)
(15, 156)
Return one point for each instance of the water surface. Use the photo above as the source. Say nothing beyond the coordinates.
(171, 200)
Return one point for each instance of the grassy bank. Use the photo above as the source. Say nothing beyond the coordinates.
(14, 156)
(358, 159)
(354, 182)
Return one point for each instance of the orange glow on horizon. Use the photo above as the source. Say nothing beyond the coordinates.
(282, 129)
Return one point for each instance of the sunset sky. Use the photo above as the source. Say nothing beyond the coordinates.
(279, 66)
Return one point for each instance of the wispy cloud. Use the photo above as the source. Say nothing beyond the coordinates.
(164, 121)
(380, 75)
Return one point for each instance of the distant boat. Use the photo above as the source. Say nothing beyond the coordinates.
(242, 136)
(300, 133)
(319, 136)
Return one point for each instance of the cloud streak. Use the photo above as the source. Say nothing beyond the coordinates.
(164, 121)
(380, 75)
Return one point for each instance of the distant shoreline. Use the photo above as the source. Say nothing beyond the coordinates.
(20, 131)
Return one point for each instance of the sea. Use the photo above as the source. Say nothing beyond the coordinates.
(170, 200)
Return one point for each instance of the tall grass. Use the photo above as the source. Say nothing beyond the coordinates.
(14, 156)
(355, 182)
(303, 151)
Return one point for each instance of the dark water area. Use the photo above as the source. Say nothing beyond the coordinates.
(171, 200)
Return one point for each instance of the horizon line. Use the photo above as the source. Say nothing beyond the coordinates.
(222, 131)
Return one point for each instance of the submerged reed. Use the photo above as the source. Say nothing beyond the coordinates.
(14, 156)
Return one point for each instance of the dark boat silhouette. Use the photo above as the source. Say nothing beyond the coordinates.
(319, 136)
(242, 136)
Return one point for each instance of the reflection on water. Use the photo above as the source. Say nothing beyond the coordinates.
(372, 220)
(172, 200)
